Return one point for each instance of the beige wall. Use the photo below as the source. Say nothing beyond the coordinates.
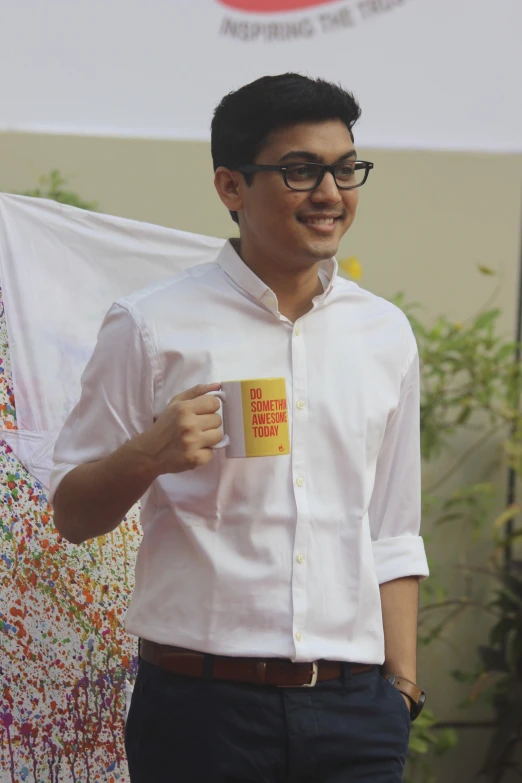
(426, 220)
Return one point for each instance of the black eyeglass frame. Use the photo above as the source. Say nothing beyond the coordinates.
(252, 168)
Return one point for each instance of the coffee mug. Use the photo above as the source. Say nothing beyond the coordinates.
(255, 418)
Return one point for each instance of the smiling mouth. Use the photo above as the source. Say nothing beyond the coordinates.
(321, 224)
(320, 221)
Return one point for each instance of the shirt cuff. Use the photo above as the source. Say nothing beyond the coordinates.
(398, 557)
(59, 472)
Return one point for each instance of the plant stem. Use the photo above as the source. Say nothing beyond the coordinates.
(460, 602)
(462, 724)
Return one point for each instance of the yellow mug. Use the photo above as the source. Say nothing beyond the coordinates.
(255, 418)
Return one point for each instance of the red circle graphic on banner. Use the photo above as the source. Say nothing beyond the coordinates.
(272, 6)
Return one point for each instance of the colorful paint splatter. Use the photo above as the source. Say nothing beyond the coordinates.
(64, 655)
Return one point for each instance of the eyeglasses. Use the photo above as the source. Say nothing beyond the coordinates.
(348, 174)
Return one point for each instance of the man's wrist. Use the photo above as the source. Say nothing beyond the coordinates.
(414, 696)
(141, 452)
(403, 672)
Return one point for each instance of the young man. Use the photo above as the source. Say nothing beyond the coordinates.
(258, 578)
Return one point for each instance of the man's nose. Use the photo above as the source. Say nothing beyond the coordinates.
(327, 190)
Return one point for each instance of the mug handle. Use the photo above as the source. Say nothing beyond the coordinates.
(226, 440)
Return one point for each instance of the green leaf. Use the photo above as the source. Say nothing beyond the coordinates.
(506, 604)
(486, 319)
(449, 518)
(52, 188)
(510, 513)
(461, 676)
(418, 745)
(506, 351)
(447, 740)
(464, 415)
(513, 584)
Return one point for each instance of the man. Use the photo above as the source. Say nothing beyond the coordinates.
(258, 577)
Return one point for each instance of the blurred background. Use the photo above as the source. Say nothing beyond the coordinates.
(107, 106)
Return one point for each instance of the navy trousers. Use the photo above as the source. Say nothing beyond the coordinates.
(182, 730)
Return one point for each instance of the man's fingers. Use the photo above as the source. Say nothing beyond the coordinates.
(205, 404)
(211, 438)
(209, 421)
(198, 391)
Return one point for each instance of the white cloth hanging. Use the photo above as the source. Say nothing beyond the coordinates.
(61, 269)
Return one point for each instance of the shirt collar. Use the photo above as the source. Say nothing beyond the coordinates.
(231, 263)
(328, 274)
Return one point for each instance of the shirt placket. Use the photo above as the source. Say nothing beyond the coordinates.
(301, 553)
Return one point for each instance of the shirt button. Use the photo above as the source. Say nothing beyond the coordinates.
(300, 559)
(299, 636)
(300, 481)
(300, 404)
(297, 331)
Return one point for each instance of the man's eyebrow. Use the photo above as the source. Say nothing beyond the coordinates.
(311, 157)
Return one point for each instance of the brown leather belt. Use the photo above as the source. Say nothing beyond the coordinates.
(270, 671)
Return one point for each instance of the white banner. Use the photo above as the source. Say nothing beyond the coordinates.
(439, 74)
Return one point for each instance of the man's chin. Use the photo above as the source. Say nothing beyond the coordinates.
(322, 249)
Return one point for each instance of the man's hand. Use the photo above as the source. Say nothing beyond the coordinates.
(94, 497)
(182, 437)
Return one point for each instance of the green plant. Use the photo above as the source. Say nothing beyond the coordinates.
(500, 676)
(470, 382)
(51, 186)
(425, 741)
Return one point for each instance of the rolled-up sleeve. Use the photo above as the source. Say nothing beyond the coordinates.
(395, 506)
(117, 396)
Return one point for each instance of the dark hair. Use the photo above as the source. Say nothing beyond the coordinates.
(244, 119)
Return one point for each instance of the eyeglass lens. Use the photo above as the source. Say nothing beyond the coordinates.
(302, 176)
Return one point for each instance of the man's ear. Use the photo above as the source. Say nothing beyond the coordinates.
(229, 185)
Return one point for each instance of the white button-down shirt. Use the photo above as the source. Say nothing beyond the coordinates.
(274, 556)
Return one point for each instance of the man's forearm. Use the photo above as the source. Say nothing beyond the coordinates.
(93, 498)
(400, 600)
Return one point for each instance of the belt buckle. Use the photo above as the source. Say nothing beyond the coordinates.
(313, 681)
(311, 684)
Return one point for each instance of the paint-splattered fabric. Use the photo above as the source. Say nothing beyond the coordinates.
(64, 656)
(65, 660)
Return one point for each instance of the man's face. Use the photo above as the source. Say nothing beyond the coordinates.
(299, 227)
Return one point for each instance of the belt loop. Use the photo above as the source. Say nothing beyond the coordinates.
(346, 669)
(260, 678)
(208, 667)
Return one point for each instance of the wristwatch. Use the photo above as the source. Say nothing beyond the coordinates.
(416, 696)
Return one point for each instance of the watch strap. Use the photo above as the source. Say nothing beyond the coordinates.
(405, 686)
(409, 689)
